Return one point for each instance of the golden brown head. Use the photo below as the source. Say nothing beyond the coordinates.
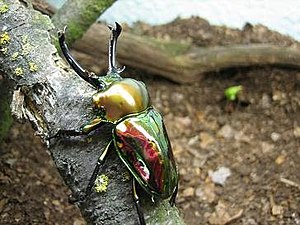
(121, 98)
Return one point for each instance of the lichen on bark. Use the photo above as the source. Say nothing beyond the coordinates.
(52, 98)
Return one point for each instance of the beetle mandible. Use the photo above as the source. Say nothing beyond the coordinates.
(138, 135)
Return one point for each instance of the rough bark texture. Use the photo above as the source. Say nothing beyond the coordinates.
(182, 63)
(5, 115)
(51, 96)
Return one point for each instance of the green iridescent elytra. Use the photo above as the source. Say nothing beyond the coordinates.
(142, 143)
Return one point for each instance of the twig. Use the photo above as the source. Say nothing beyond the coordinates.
(235, 217)
(289, 182)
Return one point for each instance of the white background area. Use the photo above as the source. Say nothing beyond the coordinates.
(282, 16)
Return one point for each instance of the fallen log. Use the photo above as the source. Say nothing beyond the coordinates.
(181, 62)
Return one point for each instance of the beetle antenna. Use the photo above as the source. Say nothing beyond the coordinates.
(115, 33)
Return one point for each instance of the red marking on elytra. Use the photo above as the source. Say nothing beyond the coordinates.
(150, 154)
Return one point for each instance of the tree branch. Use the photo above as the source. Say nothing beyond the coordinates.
(182, 63)
(79, 15)
(52, 97)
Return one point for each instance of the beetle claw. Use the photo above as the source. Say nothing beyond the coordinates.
(118, 29)
(110, 27)
(61, 33)
(73, 199)
(152, 199)
(120, 70)
(58, 134)
(115, 30)
(52, 136)
(65, 28)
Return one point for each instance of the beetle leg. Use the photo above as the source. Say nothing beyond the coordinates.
(137, 203)
(100, 162)
(173, 197)
(84, 130)
(87, 76)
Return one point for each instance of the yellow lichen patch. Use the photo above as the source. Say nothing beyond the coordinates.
(24, 39)
(26, 48)
(32, 67)
(89, 139)
(14, 56)
(4, 38)
(4, 50)
(3, 8)
(19, 71)
(101, 183)
(126, 176)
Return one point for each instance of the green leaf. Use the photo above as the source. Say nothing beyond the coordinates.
(232, 92)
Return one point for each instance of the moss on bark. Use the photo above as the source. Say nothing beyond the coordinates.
(79, 15)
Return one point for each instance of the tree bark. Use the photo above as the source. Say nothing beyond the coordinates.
(181, 63)
(53, 97)
(5, 115)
